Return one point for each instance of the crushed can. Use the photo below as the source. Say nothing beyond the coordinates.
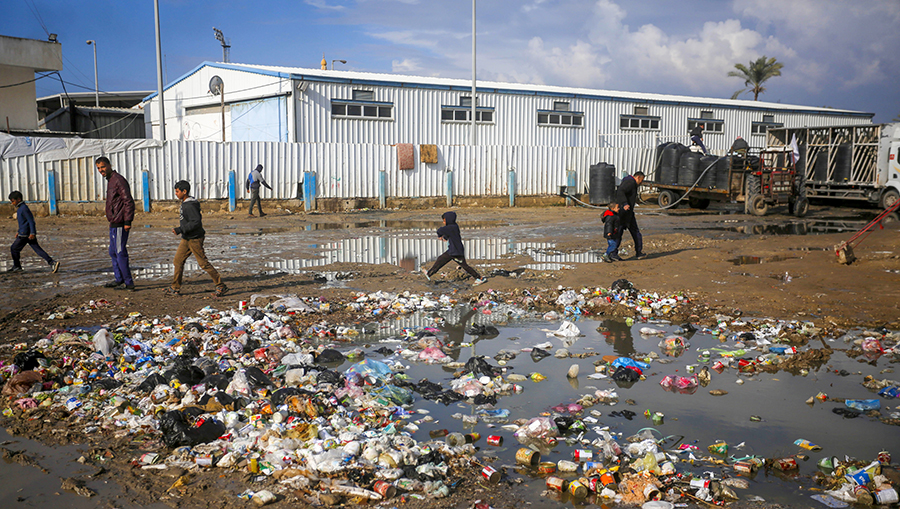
(786, 464)
(718, 448)
(886, 496)
(556, 484)
(528, 457)
(719, 367)
(149, 458)
(744, 467)
(862, 495)
(495, 440)
(884, 458)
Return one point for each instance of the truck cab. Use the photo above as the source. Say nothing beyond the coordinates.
(889, 165)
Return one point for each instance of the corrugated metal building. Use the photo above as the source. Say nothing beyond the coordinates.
(269, 103)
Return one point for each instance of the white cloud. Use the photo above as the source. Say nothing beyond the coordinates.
(323, 4)
(405, 66)
(408, 38)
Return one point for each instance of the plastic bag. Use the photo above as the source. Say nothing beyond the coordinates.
(566, 298)
(370, 367)
(103, 342)
(433, 355)
(863, 404)
(566, 330)
(177, 432)
(629, 362)
(538, 427)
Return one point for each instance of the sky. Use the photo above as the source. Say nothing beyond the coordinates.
(836, 53)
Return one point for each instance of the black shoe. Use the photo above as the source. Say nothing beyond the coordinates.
(261, 214)
(14, 268)
(616, 258)
(113, 284)
(55, 267)
(640, 256)
(129, 288)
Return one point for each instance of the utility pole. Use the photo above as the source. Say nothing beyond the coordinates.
(474, 99)
(226, 47)
(159, 76)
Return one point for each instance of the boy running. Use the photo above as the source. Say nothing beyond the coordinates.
(455, 249)
(192, 237)
(27, 234)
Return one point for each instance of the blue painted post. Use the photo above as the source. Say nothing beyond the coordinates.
(51, 192)
(309, 190)
(382, 189)
(571, 183)
(145, 179)
(232, 191)
(512, 188)
(449, 174)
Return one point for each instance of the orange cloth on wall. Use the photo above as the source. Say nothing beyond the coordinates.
(428, 154)
(406, 156)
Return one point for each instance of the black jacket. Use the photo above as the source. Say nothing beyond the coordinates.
(697, 131)
(191, 220)
(450, 232)
(627, 193)
(612, 225)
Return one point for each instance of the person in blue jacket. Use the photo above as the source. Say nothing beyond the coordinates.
(455, 249)
(26, 235)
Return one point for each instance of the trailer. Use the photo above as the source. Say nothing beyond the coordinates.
(858, 162)
(759, 179)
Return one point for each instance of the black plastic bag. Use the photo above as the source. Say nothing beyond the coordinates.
(621, 284)
(329, 356)
(477, 365)
(625, 374)
(281, 395)
(538, 354)
(218, 380)
(329, 376)
(151, 382)
(178, 432)
(255, 314)
(482, 330)
(257, 378)
(27, 361)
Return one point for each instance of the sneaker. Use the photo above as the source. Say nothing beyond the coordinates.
(616, 258)
(128, 288)
(14, 268)
(220, 291)
(261, 214)
(640, 256)
(427, 276)
(606, 258)
(250, 215)
(479, 281)
(171, 292)
(55, 266)
(113, 284)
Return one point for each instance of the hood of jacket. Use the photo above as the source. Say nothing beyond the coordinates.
(449, 216)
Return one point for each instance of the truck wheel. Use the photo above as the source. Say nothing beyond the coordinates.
(698, 203)
(758, 205)
(666, 198)
(888, 198)
(801, 207)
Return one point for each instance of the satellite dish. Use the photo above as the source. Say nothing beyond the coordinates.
(216, 85)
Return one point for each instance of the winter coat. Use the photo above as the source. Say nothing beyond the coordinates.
(191, 220)
(612, 225)
(119, 203)
(450, 232)
(25, 218)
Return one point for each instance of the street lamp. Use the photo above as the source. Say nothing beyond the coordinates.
(93, 43)
(333, 61)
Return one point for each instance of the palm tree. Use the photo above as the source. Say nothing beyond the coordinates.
(755, 75)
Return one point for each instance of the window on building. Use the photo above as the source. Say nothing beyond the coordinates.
(463, 112)
(710, 125)
(342, 108)
(638, 122)
(768, 121)
(707, 115)
(363, 95)
(560, 118)
(560, 106)
(641, 111)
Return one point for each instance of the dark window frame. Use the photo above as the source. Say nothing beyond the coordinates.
(362, 110)
(707, 123)
(559, 118)
(640, 122)
(466, 112)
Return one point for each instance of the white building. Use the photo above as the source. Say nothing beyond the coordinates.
(269, 103)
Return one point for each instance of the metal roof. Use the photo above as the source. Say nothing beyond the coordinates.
(399, 80)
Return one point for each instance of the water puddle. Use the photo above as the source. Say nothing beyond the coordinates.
(756, 260)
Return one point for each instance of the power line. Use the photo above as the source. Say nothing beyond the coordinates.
(26, 82)
(37, 16)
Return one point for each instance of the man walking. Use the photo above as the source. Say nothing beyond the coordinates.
(192, 236)
(626, 197)
(253, 182)
(120, 214)
(26, 235)
(697, 137)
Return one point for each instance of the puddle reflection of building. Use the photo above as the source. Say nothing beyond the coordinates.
(165, 270)
(410, 252)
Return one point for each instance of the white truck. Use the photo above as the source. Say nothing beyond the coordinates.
(856, 162)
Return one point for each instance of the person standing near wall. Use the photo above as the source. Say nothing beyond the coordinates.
(253, 182)
(120, 214)
(626, 197)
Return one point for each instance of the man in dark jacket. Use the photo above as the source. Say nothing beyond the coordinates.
(192, 237)
(697, 137)
(254, 180)
(626, 197)
(120, 214)
(26, 235)
(455, 249)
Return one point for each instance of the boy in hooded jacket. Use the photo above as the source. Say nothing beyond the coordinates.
(612, 232)
(192, 237)
(455, 249)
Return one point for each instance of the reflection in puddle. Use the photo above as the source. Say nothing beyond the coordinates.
(756, 260)
(395, 224)
(810, 227)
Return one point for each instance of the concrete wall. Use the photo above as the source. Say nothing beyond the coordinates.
(19, 60)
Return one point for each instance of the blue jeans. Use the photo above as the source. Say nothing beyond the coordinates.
(118, 238)
(699, 141)
(612, 246)
(19, 244)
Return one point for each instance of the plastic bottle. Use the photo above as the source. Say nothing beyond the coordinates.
(456, 439)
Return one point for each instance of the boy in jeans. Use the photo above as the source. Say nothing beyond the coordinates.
(612, 231)
(27, 234)
(192, 237)
(455, 249)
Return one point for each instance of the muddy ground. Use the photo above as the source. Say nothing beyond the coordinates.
(776, 266)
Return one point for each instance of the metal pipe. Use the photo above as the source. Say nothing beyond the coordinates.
(159, 76)
(474, 99)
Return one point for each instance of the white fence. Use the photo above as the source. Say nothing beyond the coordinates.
(342, 170)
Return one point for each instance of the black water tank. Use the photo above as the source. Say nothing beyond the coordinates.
(722, 172)
(709, 178)
(669, 164)
(657, 158)
(602, 181)
(688, 169)
(820, 167)
(843, 163)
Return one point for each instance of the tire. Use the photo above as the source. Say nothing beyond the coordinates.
(757, 205)
(888, 198)
(801, 207)
(666, 198)
(698, 203)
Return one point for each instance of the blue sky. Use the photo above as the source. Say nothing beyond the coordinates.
(836, 53)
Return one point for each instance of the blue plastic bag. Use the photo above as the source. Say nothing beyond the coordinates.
(629, 362)
(863, 404)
